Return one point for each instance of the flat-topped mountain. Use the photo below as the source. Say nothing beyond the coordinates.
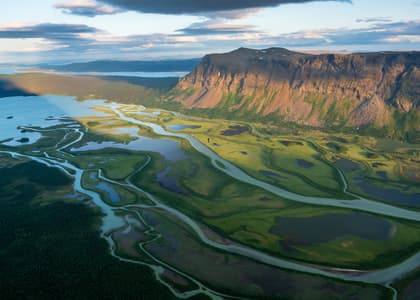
(379, 89)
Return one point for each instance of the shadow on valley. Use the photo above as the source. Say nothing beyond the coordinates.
(52, 250)
(115, 88)
(9, 89)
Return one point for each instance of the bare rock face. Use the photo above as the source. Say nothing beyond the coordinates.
(316, 90)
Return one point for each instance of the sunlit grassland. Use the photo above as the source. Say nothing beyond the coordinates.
(206, 190)
(242, 212)
(116, 164)
(253, 152)
(253, 228)
(246, 214)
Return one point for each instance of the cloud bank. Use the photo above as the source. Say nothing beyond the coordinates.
(55, 32)
(227, 8)
(81, 42)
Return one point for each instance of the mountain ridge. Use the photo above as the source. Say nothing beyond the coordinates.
(378, 89)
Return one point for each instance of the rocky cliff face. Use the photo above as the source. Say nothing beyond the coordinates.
(316, 90)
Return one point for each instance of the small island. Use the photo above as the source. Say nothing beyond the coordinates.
(23, 140)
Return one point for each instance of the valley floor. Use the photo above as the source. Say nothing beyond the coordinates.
(223, 209)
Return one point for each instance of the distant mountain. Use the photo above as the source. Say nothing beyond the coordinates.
(118, 89)
(185, 65)
(377, 90)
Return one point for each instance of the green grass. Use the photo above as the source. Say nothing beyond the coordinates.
(252, 228)
(268, 154)
(245, 213)
(117, 164)
(241, 276)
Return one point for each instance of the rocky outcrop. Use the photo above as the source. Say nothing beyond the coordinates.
(316, 90)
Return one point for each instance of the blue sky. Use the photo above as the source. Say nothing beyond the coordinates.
(81, 30)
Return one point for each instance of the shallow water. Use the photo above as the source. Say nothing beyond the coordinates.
(32, 137)
(177, 127)
(131, 131)
(168, 182)
(235, 130)
(346, 165)
(319, 229)
(19, 111)
(109, 190)
(304, 163)
(389, 195)
(169, 149)
(271, 174)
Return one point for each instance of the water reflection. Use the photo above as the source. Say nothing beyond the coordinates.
(169, 149)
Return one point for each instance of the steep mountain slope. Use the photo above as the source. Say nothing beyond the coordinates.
(378, 89)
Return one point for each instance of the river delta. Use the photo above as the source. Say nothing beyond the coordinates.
(230, 210)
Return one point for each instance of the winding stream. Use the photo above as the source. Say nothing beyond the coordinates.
(233, 171)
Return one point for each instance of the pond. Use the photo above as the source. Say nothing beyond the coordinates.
(169, 149)
(177, 127)
(270, 174)
(346, 165)
(131, 131)
(304, 163)
(291, 143)
(389, 195)
(235, 130)
(168, 182)
(112, 194)
(334, 147)
(325, 228)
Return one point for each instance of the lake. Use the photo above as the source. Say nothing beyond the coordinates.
(50, 111)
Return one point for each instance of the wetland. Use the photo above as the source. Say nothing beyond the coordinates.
(208, 207)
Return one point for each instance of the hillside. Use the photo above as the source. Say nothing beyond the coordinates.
(378, 90)
(119, 89)
(127, 66)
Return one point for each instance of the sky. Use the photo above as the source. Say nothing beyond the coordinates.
(61, 31)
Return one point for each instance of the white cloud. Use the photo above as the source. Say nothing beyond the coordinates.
(29, 45)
